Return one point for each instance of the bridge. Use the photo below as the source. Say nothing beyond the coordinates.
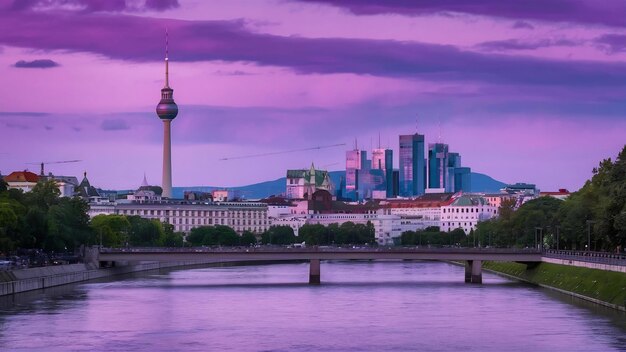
(473, 257)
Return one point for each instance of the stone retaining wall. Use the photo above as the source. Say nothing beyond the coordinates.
(40, 278)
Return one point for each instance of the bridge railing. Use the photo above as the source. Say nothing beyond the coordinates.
(425, 249)
(588, 256)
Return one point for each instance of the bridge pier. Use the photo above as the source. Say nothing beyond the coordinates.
(473, 271)
(314, 272)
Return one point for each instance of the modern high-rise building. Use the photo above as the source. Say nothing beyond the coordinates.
(382, 159)
(356, 161)
(454, 162)
(462, 179)
(437, 165)
(412, 165)
(167, 111)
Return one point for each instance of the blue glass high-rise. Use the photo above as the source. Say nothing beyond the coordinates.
(412, 165)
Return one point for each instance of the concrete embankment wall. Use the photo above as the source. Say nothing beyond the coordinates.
(18, 281)
(607, 288)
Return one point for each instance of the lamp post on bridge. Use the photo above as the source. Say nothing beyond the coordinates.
(589, 222)
(540, 229)
(557, 236)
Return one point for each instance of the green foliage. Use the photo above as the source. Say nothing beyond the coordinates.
(598, 209)
(607, 286)
(112, 230)
(145, 232)
(431, 236)
(247, 239)
(218, 235)
(172, 239)
(282, 235)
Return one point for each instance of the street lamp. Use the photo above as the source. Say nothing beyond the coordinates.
(540, 229)
(557, 236)
(589, 222)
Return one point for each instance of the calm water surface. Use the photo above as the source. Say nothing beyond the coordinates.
(360, 306)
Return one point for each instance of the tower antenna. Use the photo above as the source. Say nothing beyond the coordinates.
(439, 137)
(167, 76)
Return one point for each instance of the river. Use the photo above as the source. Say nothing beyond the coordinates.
(360, 306)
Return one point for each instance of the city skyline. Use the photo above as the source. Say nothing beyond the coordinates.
(521, 98)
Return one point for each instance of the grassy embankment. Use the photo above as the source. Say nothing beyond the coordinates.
(606, 286)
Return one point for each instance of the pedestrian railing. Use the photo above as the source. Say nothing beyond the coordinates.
(588, 256)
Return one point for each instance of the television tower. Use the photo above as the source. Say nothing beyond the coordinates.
(167, 111)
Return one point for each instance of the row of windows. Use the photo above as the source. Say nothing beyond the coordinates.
(462, 210)
(256, 229)
(460, 217)
(197, 213)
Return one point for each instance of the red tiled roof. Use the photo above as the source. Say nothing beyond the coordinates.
(21, 176)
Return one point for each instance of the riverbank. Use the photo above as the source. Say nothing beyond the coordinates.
(18, 281)
(607, 288)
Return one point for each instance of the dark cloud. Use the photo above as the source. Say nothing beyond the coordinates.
(114, 125)
(606, 12)
(516, 44)
(17, 125)
(522, 25)
(43, 63)
(611, 43)
(95, 5)
(161, 5)
(23, 113)
(140, 39)
(233, 73)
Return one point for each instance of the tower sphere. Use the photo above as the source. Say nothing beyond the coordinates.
(167, 108)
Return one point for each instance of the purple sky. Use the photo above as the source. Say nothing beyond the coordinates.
(528, 91)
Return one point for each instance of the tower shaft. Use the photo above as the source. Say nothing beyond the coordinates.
(167, 160)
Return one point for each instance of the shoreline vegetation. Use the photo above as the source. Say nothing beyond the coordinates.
(607, 288)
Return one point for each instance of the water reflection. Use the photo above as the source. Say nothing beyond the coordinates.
(360, 306)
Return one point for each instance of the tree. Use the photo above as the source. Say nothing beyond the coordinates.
(314, 234)
(282, 235)
(44, 195)
(172, 239)
(67, 225)
(111, 229)
(247, 239)
(226, 236)
(197, 234)
(145, 232)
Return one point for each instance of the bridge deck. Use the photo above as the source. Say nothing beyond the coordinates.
(286, 254)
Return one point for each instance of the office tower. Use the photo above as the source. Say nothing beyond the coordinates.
(462, 179)
(437, 165)
(356, 161)
(454, 162)
(382, 159)
(412, 165)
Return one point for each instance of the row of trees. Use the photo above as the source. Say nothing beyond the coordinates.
(41, 219)
(431, 236)
(598, 209)
(346, 233)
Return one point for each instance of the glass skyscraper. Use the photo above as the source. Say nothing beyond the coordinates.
(412, 165)
(382, 159)
(437, 165)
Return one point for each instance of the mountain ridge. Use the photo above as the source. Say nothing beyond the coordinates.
(480, 183)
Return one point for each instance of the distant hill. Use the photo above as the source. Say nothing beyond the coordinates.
(480, 183)
(486, 184)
